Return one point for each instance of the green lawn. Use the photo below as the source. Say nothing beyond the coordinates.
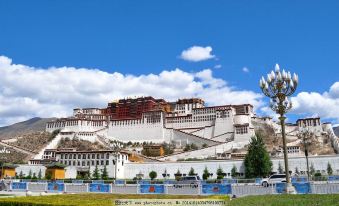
(107, 199)
(287, 200)
(89, 199)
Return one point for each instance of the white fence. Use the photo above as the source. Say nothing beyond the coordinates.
(171, 189)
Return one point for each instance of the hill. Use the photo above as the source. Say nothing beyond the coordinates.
(35, 124)
(336, 131)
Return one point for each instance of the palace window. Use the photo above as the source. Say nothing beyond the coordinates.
(241, 130)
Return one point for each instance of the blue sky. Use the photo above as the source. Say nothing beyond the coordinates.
(143, 37)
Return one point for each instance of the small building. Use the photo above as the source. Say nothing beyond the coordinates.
(154, 150)
(293, 150)
(238, 155)
(312, 124)
(49, 154)
(133, 156)
(223, 155)
(85, 162)
(55, 171)
(7, 171)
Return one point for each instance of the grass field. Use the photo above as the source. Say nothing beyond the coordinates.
(287, 200)
(107, 199)
(89, 199)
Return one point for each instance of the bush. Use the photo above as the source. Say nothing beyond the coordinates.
(153, 175)
(318, 174)
(206, 174)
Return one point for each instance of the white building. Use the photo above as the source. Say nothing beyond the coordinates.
(311, 124)
(189, 116)
(86, 161)
(319, 163)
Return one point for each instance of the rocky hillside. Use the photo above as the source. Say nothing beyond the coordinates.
(320, 145)
(33, 141)
(32, 125)
(10, 155)
(80, 145)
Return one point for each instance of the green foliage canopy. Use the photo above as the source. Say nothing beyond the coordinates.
(257, 160)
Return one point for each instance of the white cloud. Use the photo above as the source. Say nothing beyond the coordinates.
(218, 66)
(325, 105)
(27, 92)
(197, 53)
(245, 69)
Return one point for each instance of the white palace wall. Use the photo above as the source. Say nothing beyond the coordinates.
(155, 126)
(319, 162)
(201, 153)
(136, 131)
(76, 125)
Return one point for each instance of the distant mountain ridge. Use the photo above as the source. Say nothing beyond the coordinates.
(35, 124)
(336, 131)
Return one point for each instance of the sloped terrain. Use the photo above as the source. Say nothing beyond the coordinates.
(319, 145)
(13, 156)
(32, 141)
(336, 131)
(32, 125)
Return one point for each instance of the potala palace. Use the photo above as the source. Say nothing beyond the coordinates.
(155, 120)
(217, 131)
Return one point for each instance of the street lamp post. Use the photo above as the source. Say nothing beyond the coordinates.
(278, 87)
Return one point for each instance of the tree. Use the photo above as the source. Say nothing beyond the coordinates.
(220, 173)
(168, 148)
(152, 175)
(86, 176)
(194, 146)
(34, 176)
(187, 147)
(312, 170)
(296, 171)
(191, 172)
(29, 176)
(79, 176)
(21, 175)
(329, 169)
(54, 134)
(40, 175)
(96, 174)
(257, 160)
(104, 174)
(280, 169)
(48, 176)
(234, 171)
(206, 174)
(204, 145)
(177, 175)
